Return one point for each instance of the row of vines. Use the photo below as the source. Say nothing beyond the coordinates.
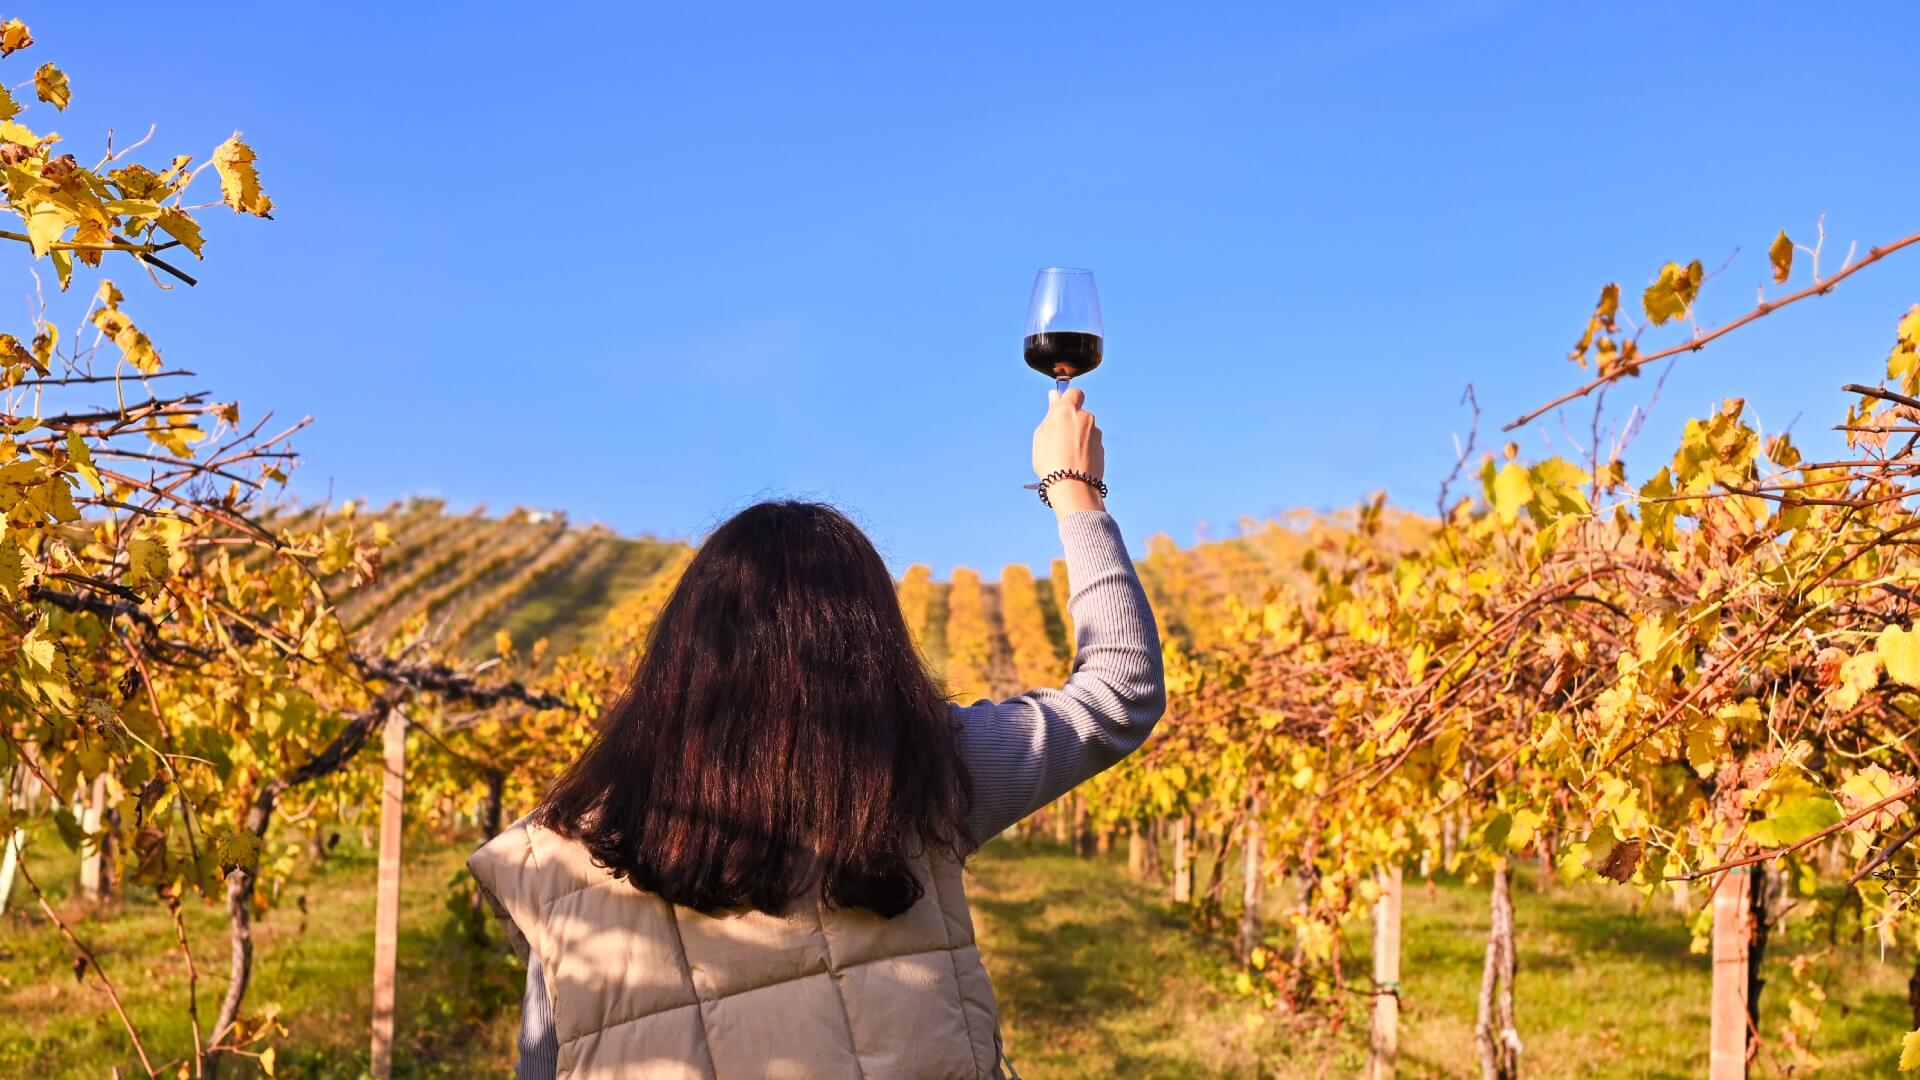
(178, 660)
(1704, 685)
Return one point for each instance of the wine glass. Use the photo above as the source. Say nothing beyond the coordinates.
(1064, 335)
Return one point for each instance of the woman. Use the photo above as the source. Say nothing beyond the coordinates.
(754, 871)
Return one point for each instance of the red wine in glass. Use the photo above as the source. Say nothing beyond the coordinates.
(1064, 333)
(1063, 354)
(1065, 337)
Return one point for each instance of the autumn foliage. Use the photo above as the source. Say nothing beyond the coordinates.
(1642, 680)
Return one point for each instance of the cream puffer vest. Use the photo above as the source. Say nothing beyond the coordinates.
(644, 989)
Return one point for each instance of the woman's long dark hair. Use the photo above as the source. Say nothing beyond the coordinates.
(781, 733)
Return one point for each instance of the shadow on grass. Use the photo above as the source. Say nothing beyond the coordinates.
(1590, 930)
(1081, 965)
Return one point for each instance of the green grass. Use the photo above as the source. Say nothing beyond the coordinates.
(1096, 976)
(315, 965)
(566, 605)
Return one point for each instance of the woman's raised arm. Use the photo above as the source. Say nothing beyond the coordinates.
(1026, 751)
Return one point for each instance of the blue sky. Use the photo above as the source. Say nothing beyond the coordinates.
(645, 263)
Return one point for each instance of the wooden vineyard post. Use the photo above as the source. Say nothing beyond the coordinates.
(9, 867)
(1496, 1034)
(93, 856)
(1732, 933)
(19, 796)
(1137, 850)
(1061, 811)
(1250, 887)
(1182, 860)
(1386, 977)
(386, 917)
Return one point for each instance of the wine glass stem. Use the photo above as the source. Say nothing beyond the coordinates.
(1060, 385)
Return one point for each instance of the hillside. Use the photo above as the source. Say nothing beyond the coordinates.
(535, 574)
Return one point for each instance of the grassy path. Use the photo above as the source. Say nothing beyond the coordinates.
(1096, 978)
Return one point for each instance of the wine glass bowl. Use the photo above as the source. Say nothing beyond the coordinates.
(1065, 337)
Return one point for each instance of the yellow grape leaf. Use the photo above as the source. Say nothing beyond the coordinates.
(1417, 661)
(9, 108)
(137, 182)
(1602, 319)
(14, 36)
(82, 459)
(50, 84)
(1498, 831)
(1525, 824)
(237, 850)
(139, 208)
(1858, 674)
(503, 644)
(46, 221)
(111, 321)
(38, 651)
(182, 228)
(14, 354)
(17, 133)
(91, 230)
(16, 570)
(1557, 487)
(1869, 786)
(240, 179)
(1910, 1051)
(1512, 488)
(177, 438)
(1612, 857)
(1900, 651)
(1780, 450)
(1609, 305)
(146, 562)
(1673, 292)
(1904, 360)
(1781, 255)
(1792, 818)
(266, 1061)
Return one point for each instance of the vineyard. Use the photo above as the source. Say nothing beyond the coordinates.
(1694, 693)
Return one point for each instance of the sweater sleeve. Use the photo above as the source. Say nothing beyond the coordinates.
(539, 1045)
(1026, 751)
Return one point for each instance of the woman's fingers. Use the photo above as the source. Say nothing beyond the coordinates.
(1072, 400)
(1068, 437)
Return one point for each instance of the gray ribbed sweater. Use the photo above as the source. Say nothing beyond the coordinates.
(1026, 751)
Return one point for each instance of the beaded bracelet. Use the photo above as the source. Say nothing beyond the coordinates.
(1088, 479)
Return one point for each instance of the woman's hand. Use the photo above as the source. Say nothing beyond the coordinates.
(1067, 438)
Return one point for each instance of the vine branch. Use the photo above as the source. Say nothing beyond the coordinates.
(1698, 342)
